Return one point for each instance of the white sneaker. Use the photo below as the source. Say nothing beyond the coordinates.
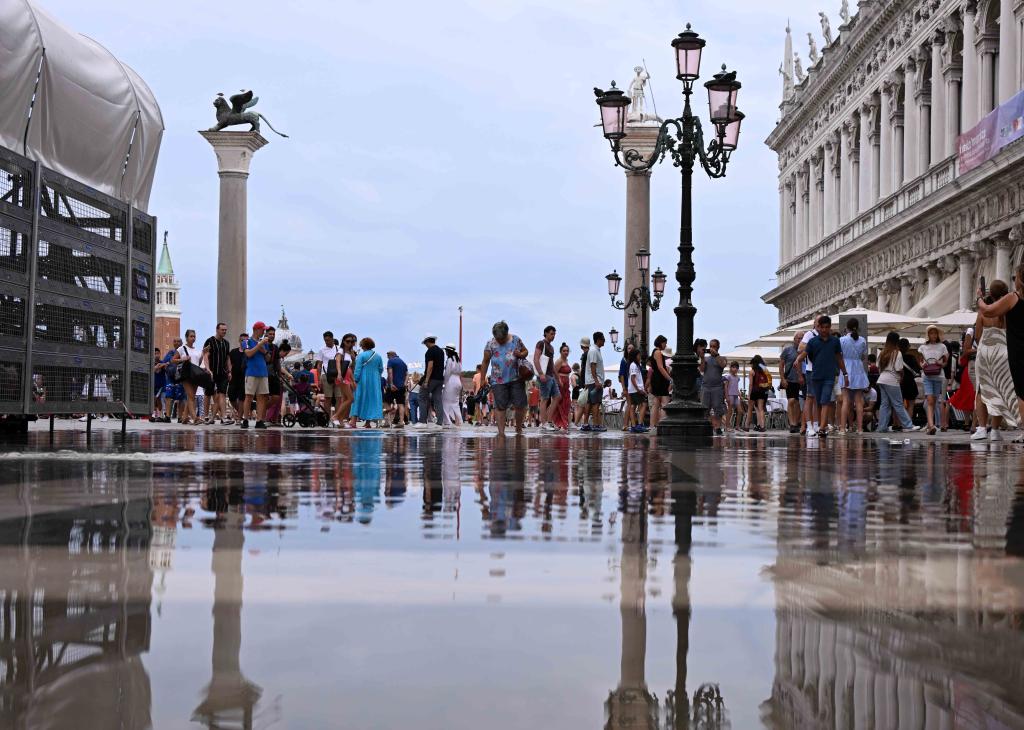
(913, 429)
(980, 433)
(812, 430)
(995, 435)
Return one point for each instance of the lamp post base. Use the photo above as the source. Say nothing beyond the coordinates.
(685, 425)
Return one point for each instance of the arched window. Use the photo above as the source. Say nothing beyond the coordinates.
(159, 297)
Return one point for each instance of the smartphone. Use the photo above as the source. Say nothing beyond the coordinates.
(984, 289)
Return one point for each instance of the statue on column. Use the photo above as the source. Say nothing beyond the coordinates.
(787, 83)
(826, 29)
(813, 54)
(636, 94)
(798, 69)
(237, 114)
(844, 12)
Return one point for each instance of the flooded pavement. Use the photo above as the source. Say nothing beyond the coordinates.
(308, 580)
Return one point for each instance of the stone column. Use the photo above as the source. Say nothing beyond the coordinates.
(800, 201)
(885, 140)
(1003, 249)
(938, 113)
(845, 145)
(911, 122)
(920, 284)
(882, 297)
(638, 236)
(783, 248)
(805, 191)
(875, 178)
(971, 94)
(867, 125)
(828, 187)
(234, 152)
(934, 276)
(899, 147)
(814, 186)
(988, 72)
(1009, 60)
(794, 249)
(906, 293)
(952, 74)
(965, 261)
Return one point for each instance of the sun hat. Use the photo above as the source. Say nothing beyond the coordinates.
(429, 338)
(931, 327)
(584, 342)
(450, 346)
(667, 351)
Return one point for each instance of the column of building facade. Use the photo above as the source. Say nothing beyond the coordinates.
(911, 121)
(934, 276)
(828, 211)
(866, 156)
(969, 115)
(1009, 60)
(801, 209)
(988, 70)
(898, 128)
(965, 262)
(885, 138)
(952, 74)
(924, 111)
(805, 190)
(853, 190)
(845, 145)
(1003, 247)
(906, 293)
(920, 283)
(791, 216)
(938, 114)
(815, 190)
(783, 245)
(874, 144)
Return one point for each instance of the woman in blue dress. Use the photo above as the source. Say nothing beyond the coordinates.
(368, 404)
(855, 354)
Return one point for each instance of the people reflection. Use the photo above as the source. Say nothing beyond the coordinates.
(366, 474)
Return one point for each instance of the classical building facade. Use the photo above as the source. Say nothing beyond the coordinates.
(874, 210)
(168, 302)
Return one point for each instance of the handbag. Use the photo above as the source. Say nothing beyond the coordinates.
(184, 370)
(525, 370)
(332, 369)
(931, 368)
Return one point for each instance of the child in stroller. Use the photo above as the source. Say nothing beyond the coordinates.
(309, 414)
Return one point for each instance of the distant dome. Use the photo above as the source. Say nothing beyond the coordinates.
(284, 333)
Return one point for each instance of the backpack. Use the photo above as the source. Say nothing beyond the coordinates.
(332, 368)
(762, 379)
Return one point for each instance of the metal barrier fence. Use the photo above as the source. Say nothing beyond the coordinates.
(76, 296)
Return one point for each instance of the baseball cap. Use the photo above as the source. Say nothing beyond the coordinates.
(429, 338)
(584, 342)
(258, 325)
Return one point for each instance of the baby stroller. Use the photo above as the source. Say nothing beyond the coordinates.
(309, 413)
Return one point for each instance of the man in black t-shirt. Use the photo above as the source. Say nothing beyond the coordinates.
(236, 372)
(433, 382)
(217, 361)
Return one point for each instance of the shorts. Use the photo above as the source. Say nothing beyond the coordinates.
(821, 390)
(274, 386)
(548, 388)
(756, 395)
(714, 400)
(256, 385)
(792, 390)
(594, 394)
(934, 385)
(220, 383)
(330, 390)
(637, 399)
(506, 394)
(236, 390)
(174, 391)
(396, 396)
(733, 401)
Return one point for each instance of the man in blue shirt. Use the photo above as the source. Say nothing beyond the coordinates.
(395, 390)
(257, 351)
(173, 391)
(826, 358)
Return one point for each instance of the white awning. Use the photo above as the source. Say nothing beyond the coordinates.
(90, 110)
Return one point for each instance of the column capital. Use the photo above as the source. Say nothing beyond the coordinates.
(1016, 234)
(969, 7)
(234, 150)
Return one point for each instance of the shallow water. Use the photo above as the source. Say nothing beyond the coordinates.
(190, 579)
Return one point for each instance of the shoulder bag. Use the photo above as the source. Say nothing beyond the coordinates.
(184, 370)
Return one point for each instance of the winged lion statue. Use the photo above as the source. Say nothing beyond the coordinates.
(237, 114)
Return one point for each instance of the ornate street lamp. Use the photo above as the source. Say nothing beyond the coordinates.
(642, 297)
(683, 139)
(613, 335)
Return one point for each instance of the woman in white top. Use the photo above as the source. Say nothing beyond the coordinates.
(890, 365)
(451, 396)
(637, 392)
(933, 357)
(194, 355)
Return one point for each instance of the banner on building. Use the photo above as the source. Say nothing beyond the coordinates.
(1000, 127)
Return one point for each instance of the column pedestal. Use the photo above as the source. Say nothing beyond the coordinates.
(966, 263)
(1003, 260)
(234, 152)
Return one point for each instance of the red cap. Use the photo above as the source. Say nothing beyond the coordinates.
(259, 326)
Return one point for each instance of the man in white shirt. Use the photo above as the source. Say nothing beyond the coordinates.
(594, 380)
(328, 360)
(810, 405)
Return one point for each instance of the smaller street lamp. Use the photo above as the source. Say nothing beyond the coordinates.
(644, 298)
(614, 282)
(614, 105)
(658, 279)
(613, 335)
(643, 261)
(631, 318)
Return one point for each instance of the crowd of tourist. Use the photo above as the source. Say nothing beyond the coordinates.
(827, 382)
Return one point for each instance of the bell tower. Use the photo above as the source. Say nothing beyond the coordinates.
(168, 307)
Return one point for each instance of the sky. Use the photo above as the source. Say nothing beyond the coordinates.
(444, 154)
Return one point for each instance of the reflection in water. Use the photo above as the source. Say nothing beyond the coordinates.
(75, 582)
(892, 573)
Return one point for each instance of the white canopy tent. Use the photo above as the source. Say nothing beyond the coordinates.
(74, 107)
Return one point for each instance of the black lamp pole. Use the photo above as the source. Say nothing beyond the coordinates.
(686, 421)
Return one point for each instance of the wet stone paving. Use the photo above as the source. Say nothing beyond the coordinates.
(182, 579)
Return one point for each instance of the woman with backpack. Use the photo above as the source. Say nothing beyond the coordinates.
(368, 403)
(191, 375)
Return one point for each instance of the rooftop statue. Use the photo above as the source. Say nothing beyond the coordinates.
(787, 83)
(798, 68)
(813, 55)
(844, 11)
(826, 29)
(237, 114)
